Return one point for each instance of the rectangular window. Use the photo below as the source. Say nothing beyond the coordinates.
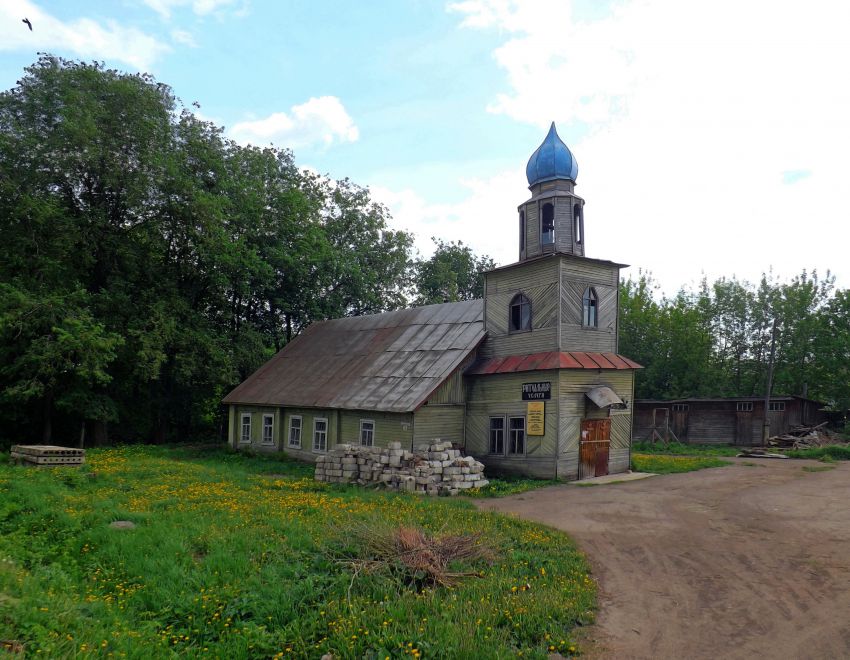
(497, 435)
(320, 435)
(547, 224)
(680, 407)
(516, 439)
(295, 431)
(245, 435)
(367, 432)
(268, 429)
(777, 406)
(745, 406)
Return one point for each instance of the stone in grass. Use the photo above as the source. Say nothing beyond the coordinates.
(122, 524)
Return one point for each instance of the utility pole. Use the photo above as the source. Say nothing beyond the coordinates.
(766, 428)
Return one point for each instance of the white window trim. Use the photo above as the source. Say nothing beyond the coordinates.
(270, 441)
(776, 406)
(744, 406)
(289, 442)
(315, 449)
(504, 419)
(242, 418)
(508, 451)
(367, 421)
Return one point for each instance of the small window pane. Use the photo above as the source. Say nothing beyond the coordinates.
(295, 432)
(520, 313)
(578, 222)
(590, 308)
(268, 429)
(320, 435)
(367, 433)
(516, 439)
(245, 436)
(497, 435)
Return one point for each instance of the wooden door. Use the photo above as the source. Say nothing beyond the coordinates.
(594, 447)
(680, 423)
(744, 428)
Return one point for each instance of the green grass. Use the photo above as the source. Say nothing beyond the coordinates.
(238, 557)
(679, 449)
(503, 486)
(826, 454)
(660, 464)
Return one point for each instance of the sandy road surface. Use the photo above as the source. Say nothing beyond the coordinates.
(735, 562)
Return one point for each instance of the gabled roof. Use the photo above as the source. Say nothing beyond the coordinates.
(383, 362)
(551, 360)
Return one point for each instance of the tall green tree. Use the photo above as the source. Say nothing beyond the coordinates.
(453, 273)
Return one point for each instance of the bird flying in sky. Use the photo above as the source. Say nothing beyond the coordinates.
(27, 21)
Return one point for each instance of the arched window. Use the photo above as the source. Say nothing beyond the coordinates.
(547, 224)
(577, 232)
(590, 303)
(520, 314)
(522, 231)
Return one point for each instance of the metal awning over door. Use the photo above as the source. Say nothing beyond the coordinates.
(605, 397)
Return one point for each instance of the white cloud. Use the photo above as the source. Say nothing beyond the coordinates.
(695, 112)
(323, 120)
(183, 37)
(484, 220)
(200, 7)
(83, 37)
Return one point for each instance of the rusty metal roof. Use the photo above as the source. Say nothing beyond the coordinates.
(551, 360)
(386, 362)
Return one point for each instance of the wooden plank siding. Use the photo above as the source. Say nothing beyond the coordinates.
(453, 389)
(446, 422)
(308, 416)
(539, 282)
(501, 395)
(575, 406)
(576, 276)
(256, 412)
(389, 427)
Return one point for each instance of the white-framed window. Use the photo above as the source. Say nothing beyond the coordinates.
(497, 435)
(744, 406)
(295, 431)
(268, 429)
(320, 434)
(777, 406)
(680, 407)
(367, 432)
(516, 436)
(245, 433)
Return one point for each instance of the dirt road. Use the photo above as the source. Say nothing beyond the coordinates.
(735, 562)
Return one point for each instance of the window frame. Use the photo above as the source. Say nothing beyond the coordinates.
(522, 230)
(316, 420)
(270, 441)
(680, 407)
(242, 417)
(743, 406)
(590, 296)
(490, 429)
(776, 406)
(300, 429)
(543, 220)
(372, 431)
(519, 300)
(510, 438)
(578, 224)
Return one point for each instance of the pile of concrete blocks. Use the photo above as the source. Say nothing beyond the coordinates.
(435, 469)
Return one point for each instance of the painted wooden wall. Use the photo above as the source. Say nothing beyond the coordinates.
(576, 276)
(575, 406)
(389, 427)
(501, 394)
(539, 282)
(308, 417)
(438, 421)
(256, 412)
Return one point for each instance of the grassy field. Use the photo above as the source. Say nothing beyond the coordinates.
(666, 464)
(679, 449)
(238, 557)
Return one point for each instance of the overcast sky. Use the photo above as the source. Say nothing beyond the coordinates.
(712, 137)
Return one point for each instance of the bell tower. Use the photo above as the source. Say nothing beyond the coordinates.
(552, 220)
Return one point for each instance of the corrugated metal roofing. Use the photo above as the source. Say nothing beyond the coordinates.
(390, 362)
(551, 360)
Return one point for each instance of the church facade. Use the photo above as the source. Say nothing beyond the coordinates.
(527, 380)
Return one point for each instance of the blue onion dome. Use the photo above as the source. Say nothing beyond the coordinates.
(552, 160)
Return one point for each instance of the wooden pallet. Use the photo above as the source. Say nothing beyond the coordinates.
(48, 455)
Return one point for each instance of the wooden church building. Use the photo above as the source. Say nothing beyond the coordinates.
(527, 380)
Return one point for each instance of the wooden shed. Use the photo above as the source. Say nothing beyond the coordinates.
(527, 379)
(726, 420)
